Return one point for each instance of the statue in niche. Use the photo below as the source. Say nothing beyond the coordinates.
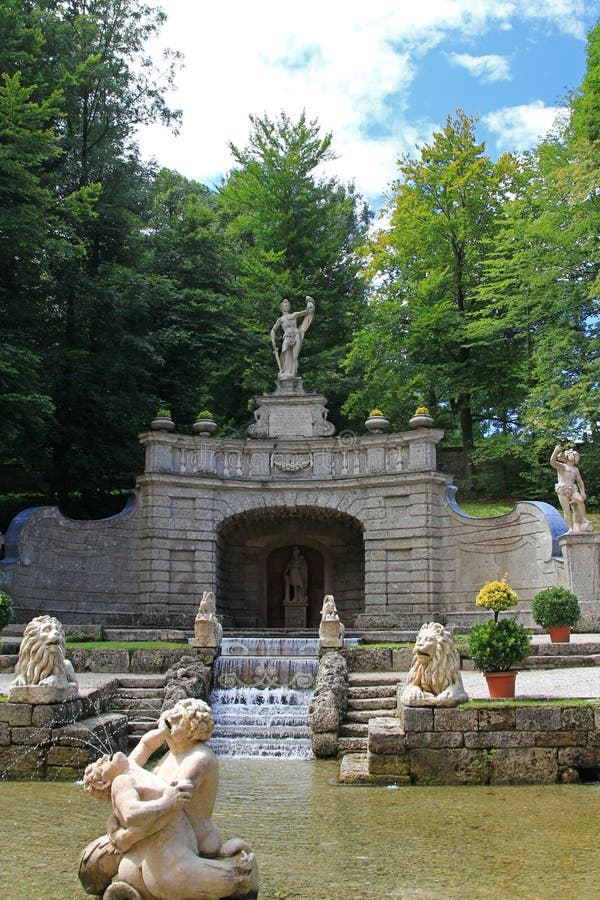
(331, 630)
(295, 578)
(161, 841)
(570, 489)
(293, 336)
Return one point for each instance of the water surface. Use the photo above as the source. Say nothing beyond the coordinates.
(318, 841)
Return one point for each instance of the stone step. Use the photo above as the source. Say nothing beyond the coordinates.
(570, 648)
(375, 690)
(369, 679)
(120, 702)
(138, 693)
(141, 681)
(354, 729)
(372, 703)
(560, 662)
(364, 715)
(352, 744)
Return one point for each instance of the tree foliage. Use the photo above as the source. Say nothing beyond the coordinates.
(297, 233)
(427, 261)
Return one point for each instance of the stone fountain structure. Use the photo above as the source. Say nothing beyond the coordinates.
(273, 523)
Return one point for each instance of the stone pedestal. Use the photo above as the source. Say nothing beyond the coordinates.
(43, 693)
(295, 615)
(291, 412)
(330, 636)
(581, 554)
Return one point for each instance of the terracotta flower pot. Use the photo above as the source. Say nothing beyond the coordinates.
(559, 634)
(501, 684)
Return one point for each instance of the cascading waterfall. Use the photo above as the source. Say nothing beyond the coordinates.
(262, 688)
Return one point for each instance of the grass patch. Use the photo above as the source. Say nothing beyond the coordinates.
(595, 520)
(3, 698)
(486, 704)
(486, 508)
(127, 645)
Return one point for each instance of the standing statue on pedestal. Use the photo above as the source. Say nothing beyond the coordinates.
(570, 489)
(161, 842)
(295, 578)
(293, 336)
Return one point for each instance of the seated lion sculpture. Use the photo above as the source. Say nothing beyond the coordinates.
(43, 673)
(434, 678)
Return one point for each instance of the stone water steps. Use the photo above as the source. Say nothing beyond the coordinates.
(140, 698)
(261, 691)
(371, 695)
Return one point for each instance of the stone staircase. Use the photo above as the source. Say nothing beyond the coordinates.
(371, 695)
(140, 698)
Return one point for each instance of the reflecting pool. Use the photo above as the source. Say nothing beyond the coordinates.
(319, 841)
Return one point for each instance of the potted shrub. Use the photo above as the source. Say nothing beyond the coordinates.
(557, 610)
(496, 647)
(376, 422)
(205, 423)
(162, 421)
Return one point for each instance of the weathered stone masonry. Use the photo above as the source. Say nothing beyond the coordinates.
(376, 518)
(481, 745)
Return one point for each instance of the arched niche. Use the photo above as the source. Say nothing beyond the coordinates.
(254, 549)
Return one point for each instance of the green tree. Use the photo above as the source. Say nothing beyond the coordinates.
(195, 325)
(83, 301)
(296, 233)
(427, 264)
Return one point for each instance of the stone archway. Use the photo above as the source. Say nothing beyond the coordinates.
(254, 549)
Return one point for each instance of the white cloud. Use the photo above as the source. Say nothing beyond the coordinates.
(489, 67)
(352, 69)
(521, 127)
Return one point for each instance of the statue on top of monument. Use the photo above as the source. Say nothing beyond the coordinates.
(293, 336)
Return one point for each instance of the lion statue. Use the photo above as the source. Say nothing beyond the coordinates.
(42, 664)
(434, 678)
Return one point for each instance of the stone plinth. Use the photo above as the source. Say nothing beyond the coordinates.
(43, 693)
(581, 554)
(291, 413)
(295, 615)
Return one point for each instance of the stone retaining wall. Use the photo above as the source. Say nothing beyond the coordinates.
(55, 741)
(488, 744)
(114, 659)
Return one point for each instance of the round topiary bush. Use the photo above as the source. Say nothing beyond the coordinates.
(498, 646)
(555, 606)
(6, 608)
(497, 596)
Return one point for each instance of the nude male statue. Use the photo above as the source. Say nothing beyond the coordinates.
(293, 336)
(570, 489)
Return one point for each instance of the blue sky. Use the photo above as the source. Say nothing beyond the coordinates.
(381, 76)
